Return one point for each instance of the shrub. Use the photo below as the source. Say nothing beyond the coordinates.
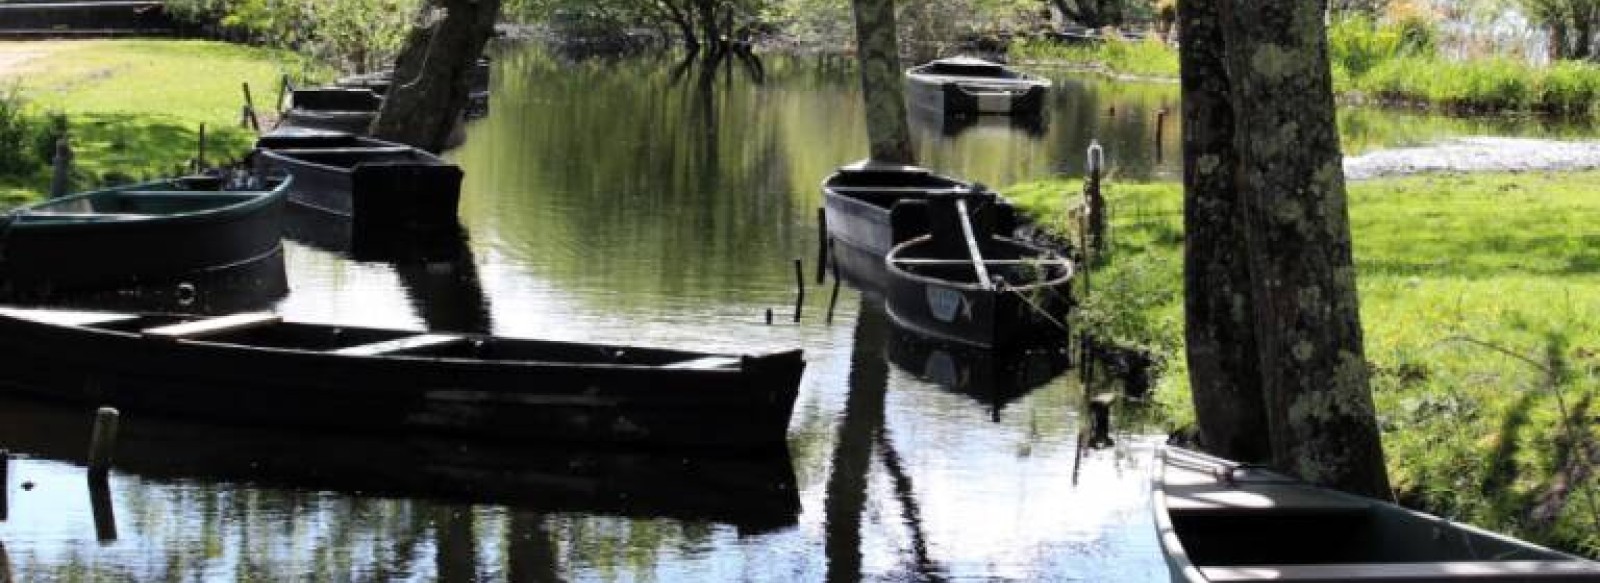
(16, 137)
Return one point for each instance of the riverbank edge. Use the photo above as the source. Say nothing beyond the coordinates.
(1444, 272)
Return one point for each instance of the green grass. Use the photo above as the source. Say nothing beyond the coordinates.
(1140, 58)
(1457, 275)
(135, 106)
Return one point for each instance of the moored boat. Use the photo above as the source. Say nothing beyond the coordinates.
(376, 184)
(968, 86)
(255, 368)
(336, 109)
(962, 283)
(870, 207)
(1219, 520)
(152, 233)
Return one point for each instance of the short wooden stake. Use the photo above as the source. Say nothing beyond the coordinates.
(769, 316)
(1100, 420)
(800, 288)
(61, 181)
(250, 108)
(200, 158)
(1161, 126)
(105, 518)
(822, 245)
(5, 486)
(103, 441)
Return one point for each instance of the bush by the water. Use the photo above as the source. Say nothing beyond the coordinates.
(17, 138)
(354, 34)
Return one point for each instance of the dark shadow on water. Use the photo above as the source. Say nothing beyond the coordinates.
(436, 268)
(992, 378)
(755, 493)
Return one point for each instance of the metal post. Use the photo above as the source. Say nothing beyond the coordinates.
(61, 181)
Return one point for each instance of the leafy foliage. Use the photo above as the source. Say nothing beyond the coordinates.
(359, 34)
(16, 137)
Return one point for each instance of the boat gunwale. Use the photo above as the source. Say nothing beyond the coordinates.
(245, 205)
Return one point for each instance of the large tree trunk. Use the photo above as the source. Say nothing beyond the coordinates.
(1290, 179)
(1224, 368)
(432, 77)
(888, 131)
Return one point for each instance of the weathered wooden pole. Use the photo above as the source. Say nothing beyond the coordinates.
(250, 108)
(833, 299)
(769, 316)
(200, 157)
(5, 486)
(1100, 420)
(800, 288)
(105, 517)
(822, 245)
(103, 442)
(1161, 127)
(1096, 201)
(61, 180)
(888, 131)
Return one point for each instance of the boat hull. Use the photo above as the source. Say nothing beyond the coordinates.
(538, 400)
(1223, 521)
(944, 96)
(376, 184)
(129, 237)
(936, 304)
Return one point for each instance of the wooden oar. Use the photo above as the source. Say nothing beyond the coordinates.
(972, 244)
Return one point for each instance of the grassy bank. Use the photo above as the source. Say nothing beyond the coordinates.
(1480, 300)
(134, 107)
(1368, 70)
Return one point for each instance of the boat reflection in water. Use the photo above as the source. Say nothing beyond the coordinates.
(950, 126)
(756, 494)
(995, 378)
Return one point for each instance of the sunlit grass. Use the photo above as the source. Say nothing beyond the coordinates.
(1140, 58)
(1454, 272)
(135, 106)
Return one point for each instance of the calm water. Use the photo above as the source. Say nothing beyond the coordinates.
(634, 201)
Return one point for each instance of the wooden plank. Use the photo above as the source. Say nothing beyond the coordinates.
(417, 342)
(706, 362)
(1440, 571)
(214, 326)
(972, 244)
(1041, 262)
(1258, 499)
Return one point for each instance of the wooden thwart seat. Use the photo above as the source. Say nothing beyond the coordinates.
(707, 362)
(403, 344)
(214, 326)
(1432, 571)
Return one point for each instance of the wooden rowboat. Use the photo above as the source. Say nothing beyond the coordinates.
(337, 109)
(254, 368)
(1224, 521)
(871, 207)
(966, 285)
(376, 184)
(961, 86)
(159, 232)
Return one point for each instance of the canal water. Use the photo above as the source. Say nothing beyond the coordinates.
(643, 201)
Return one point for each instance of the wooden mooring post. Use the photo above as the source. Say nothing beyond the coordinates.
(105, 518)
(800, 288)
(5, 485)
(61, 180)
(1095, 200)
(103, 441)
(200, 156)
(1161, 127)
(822, 245)
(250, 108)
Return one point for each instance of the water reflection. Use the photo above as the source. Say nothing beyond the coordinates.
(994, 379)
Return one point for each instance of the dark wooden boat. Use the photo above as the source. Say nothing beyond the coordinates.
(376, 184)
(1223, 521)
(379, 82)
(994, 379)
(753, 492)
(964, 284)
(254, 368)
(349, 110)
(154, 233)
(861, 202)
(960, 86)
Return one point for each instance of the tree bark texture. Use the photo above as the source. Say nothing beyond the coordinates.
(882, 85)
(1290, 178)
(432, 76)
(1224, 367)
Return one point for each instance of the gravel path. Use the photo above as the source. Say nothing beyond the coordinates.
(1476, 155)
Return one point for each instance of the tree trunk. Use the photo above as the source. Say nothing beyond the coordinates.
(1290, 178)
(433, 75)
(1224, 368)
(888, 131)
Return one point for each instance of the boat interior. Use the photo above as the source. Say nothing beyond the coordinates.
(1239, 523)
(311, 139)
(182, 196)
(268, 330)
(970, 68)
(1016, 263)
